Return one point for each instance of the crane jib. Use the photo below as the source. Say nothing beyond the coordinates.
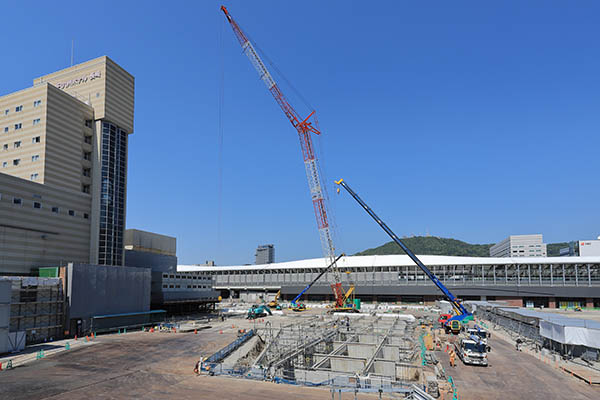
(304, 129)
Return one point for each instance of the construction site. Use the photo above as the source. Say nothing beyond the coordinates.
(287, 347)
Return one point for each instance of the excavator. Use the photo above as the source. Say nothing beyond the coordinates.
(274, 303)
(462, 316)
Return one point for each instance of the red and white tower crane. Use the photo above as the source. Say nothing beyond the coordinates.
(305, 127)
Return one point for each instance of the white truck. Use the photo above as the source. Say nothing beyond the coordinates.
(482, 334)
(471, 350)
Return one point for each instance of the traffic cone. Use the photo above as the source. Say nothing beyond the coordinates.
(220, 332)
(87, 338)
(75, 337)
(195, 331)
(0, 366)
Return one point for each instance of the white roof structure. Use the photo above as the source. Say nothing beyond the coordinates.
(393, 260)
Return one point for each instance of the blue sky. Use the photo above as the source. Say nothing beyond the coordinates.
(472, 120)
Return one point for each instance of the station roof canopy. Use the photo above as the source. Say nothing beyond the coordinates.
(393, 260)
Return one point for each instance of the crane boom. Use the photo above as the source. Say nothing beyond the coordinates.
(305, 127)
(314, 280)
(462, 313)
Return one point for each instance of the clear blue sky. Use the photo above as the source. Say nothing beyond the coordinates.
(472, 120)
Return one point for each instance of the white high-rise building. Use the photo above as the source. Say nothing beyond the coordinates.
(520, 246)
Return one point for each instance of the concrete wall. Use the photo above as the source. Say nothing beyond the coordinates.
(100, 290)
(5, 291)
(156, 262)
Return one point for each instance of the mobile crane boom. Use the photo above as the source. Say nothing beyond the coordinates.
(463, 314)
(305, 127)
(316, 279)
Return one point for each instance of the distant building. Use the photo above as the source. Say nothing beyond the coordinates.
(520, 246)
(589, 248)
(571, 251)
(265, 254)
(171, 290)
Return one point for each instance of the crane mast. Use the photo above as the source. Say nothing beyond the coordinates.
(305, 127)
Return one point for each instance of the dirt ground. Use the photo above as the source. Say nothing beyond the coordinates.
(143, 365)
(160, 366)
(515, 375)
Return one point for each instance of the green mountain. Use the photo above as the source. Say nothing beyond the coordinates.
(432, 245)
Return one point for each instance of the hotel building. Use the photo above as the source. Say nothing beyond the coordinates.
(63, 168)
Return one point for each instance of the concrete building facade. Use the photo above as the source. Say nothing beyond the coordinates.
(63, 168)
(520, 246)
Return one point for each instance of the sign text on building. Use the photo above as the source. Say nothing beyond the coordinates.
(77, 81)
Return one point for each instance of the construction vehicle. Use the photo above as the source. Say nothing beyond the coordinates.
(305, 127)
(258, 311)
(443, 318)
(462, 314)
(298, 307)
(471, 350)
(274, 303)
(482, 334)
(453, 326)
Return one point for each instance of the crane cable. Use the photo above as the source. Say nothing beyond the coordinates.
(221, 80)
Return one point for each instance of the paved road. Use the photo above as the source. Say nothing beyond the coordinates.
(515, 375)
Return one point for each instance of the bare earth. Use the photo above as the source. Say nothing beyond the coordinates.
(142, 365)
(160, 366)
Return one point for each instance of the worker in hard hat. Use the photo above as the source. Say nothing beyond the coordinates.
(452, 358)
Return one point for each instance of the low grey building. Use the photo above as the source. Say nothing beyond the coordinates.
(99, 291)
(520, 246)
(171, 290)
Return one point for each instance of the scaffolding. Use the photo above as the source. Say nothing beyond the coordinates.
(358, 352)
(37, 308)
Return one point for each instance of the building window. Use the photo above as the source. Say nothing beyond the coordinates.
(165, 286)
(4, 164)
(55, 210)
(18, 126)
(5, 147)
(87, 139)
(6, 129)
(86, 216)
(34, 176)
(36, 139)
(17, 201)
(37, 103)
(35, 157)
(19, 108)
(37, 204)
(17, 144)
(85, 188)
(88, 123)
(36, 121)
(87, 155)
(87, 172)
(170, 286)
(6, 112)
(16, 161)
(71, 213)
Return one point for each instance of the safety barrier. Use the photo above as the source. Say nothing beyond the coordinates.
(211, 362)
